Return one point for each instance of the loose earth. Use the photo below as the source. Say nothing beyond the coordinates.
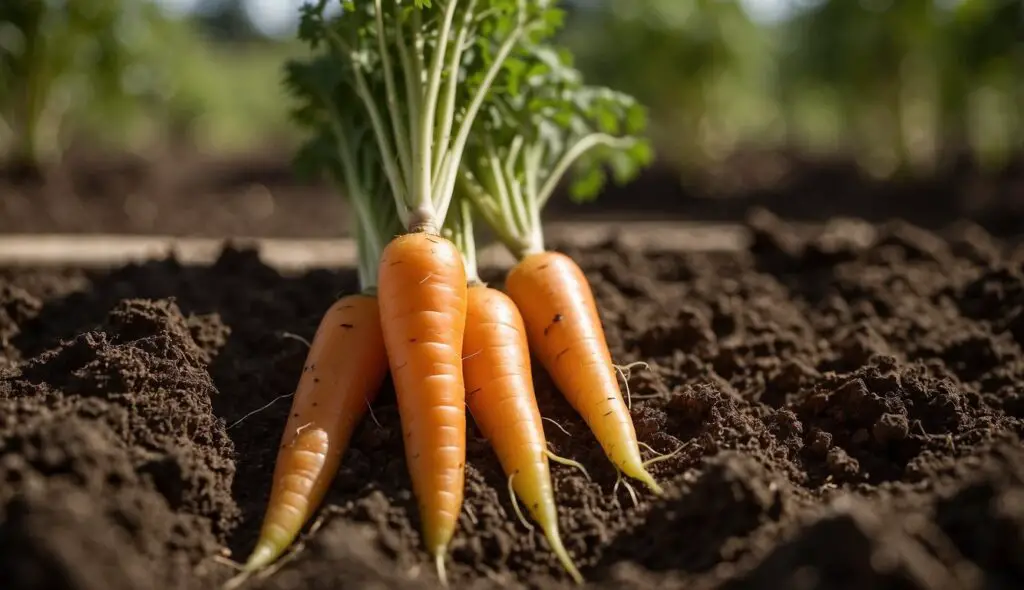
(848, 403)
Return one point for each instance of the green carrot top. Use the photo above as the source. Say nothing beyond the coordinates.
(546, 123)
(420, 72)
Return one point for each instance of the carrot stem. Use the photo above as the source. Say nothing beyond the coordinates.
(459, 229)
(425, 130)
(516, 161)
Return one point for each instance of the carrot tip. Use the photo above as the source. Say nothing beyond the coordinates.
(441, 574)
(555, 540)
(262, 556)
(648, 480)
(639, 473)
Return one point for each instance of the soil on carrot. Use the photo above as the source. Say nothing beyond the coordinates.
(845, 409)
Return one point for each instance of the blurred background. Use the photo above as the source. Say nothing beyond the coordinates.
(168, 116)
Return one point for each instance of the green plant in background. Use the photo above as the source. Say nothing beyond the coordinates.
(700, 65)
(121, 72)
(902, 85)
(981, 88)
(223, 96)
(60, 59)
(872, 63)
(903, 78)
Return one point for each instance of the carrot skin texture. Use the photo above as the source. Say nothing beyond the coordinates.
(565, 333)
(422, 292)
(343, 373)
(500, 397)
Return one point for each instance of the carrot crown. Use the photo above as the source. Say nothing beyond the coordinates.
(546, 124)
(420, 71)
(340, 148)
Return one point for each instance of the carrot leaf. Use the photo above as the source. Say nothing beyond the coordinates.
(545, 126)
(420, 72)
(340, 148)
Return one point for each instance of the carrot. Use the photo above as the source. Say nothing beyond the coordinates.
(347, 362)
(342, 375)
(509, 174)
(499, 395)
(423, 312)
(564, 331)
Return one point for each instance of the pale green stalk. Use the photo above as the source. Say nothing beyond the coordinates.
(451, 170)
(581, 147)
(511, 205)
(401, 137)
(376, 120)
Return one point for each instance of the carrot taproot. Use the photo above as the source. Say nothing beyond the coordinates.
(344, 370)
(422, 292)
(564, 331)
(500, 397)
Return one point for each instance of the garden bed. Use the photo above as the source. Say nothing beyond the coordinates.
(849, 403)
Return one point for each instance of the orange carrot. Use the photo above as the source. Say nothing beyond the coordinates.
(344, 370)
(499, 393)
(347, 362)
(512, 168)
(564, 331)
(422, 292)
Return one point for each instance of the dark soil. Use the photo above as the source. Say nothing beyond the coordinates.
(183, 192)
(849, 416)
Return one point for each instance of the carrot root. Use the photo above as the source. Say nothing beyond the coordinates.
(442, 574)
(619, 480)
(558, 548)
(515, 503)
(557, 425)
(500, 396)
(568, 463)
(344, 369)
(422, 294)
(262, 556)
(664, 457)
(565, 333)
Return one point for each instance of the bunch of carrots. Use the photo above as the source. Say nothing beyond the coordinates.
(427, 116)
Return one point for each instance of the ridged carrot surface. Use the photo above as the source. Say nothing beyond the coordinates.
(564, 332)
(422, 293)
(500, 396)
(345, 367)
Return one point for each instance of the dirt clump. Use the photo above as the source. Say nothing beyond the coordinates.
(114, 465)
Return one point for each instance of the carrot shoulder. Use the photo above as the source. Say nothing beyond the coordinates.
(500, 396)
(564, 331)
(422, 294)
(344, 370)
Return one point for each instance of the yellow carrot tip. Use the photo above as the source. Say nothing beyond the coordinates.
(562, 554)
(262, 556)
(441, 574)
(648, 480)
